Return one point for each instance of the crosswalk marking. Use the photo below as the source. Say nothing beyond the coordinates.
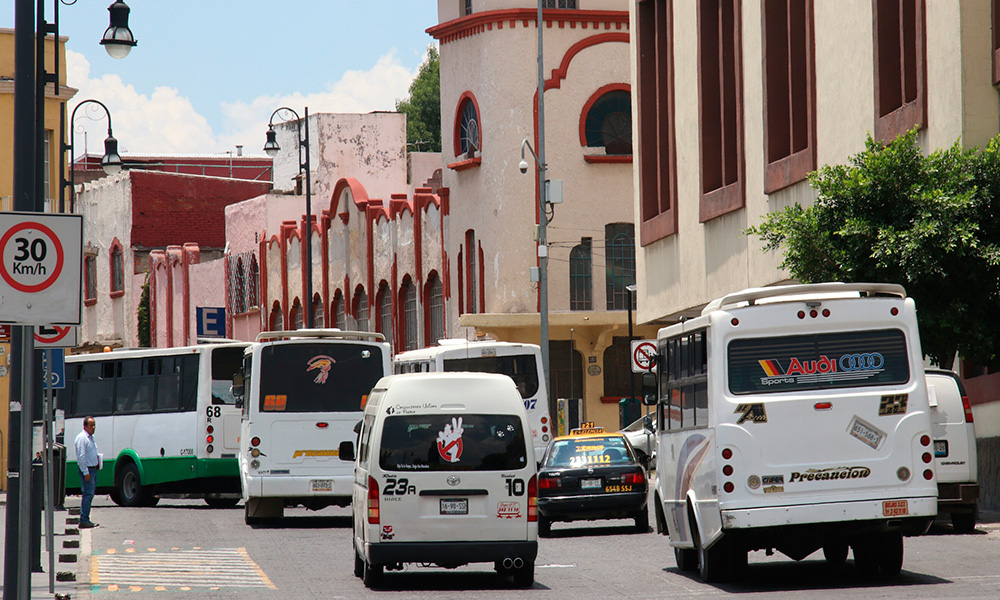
(211, 569)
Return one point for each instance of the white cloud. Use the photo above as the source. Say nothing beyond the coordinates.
(166, 122)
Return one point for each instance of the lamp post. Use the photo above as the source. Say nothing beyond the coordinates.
(272, 148)
(111, 162)
(30, 78)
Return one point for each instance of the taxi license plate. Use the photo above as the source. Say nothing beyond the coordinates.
(940, 448)
(618, 488)
(455, 506)
(590, 484)
(322, 485)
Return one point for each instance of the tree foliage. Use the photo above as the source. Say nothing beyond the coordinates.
(423, 107)
(930, 223)
(143, 316)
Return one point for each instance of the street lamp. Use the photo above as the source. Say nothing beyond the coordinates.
(272, 148)
(111, 162)
(117, 39)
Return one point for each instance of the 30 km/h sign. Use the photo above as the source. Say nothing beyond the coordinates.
(40, 268)
(643, 355)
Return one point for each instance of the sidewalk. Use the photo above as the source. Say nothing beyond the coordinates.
(63, 532)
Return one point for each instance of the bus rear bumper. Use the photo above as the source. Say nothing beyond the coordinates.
(911, 516)
(308, 486)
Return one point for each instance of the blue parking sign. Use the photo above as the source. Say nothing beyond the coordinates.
(211, 321)
(56, 376)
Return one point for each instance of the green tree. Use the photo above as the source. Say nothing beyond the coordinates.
(930, 223)
(423, 107)
(143, 324)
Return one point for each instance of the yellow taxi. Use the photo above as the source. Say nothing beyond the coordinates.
(588, 475)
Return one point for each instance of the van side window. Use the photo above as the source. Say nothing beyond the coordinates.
(366, 435)
(683, 381)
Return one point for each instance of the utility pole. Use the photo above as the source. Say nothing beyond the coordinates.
(543, 220)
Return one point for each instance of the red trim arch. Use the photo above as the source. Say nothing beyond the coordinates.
(615, 158)
(457, 127)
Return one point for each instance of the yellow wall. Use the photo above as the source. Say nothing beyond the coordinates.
(52, 108)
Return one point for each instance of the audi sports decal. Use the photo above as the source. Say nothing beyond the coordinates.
(824, 369)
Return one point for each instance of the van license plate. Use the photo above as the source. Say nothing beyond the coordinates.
(322, 485)
(455, 507)
(940, 448)
(590, 484)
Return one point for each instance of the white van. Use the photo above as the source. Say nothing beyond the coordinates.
(445, 474)
(956, 461)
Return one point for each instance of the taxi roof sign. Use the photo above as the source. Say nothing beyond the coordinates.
(586, 428)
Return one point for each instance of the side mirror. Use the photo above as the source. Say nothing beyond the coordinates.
(347, 451)
(357, 427)
(647, 424)
(238, 386)
(649, 389)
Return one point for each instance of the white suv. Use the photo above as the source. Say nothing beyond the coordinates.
(956, 461)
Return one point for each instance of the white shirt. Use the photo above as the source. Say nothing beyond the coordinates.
(86, 451)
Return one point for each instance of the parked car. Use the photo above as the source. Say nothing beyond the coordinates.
(590, 475)
(956, 461)
(641, 433)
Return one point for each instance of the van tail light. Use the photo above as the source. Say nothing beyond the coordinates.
(968, 409)
(532, 499)
(634, 478)
(373, 512)
(548, 483)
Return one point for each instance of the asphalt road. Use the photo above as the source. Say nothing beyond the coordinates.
(184, 549)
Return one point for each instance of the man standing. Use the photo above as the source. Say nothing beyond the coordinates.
(87, 461)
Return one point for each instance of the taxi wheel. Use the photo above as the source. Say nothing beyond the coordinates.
(525, 576)
(371, 574)
(642, 520)
(544, 526)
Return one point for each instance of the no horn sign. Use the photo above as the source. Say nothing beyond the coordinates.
(40, 268)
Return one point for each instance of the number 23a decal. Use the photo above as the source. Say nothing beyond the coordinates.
(398, 487)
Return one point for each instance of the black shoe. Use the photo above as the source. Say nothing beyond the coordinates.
(88, 525)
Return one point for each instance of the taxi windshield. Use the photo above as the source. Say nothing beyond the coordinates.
(583, 452)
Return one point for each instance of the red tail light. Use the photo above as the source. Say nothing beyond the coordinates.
(635, 478)
(373, 512)
(548, 483)
(255, 441)
(532, 499)
(968, 409)
(210, 439)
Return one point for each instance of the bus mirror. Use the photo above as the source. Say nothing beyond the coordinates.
(346, 451)
(649, 389)
(238, 385)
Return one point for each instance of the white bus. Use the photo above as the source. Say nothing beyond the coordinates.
(166, 421)
(520, 362)
(302, 393)
(794, 418)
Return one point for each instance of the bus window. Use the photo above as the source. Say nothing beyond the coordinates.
(168, 386)
(520, 368)
(133, 389)
(298, 371)
(225, 363)
(95, 392)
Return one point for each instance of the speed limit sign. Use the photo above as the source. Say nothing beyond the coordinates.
(40, 267)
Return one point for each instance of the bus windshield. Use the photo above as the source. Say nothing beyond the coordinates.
(818, 361)
(429, 443)
(318, 377)
(520, 368)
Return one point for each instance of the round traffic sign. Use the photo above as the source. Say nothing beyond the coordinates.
(31, 257)
(51, 335)
(643, 355)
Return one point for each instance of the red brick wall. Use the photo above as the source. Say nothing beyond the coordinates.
(173, 209)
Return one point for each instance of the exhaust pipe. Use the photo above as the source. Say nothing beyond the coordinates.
(508, 563)
(518, 563)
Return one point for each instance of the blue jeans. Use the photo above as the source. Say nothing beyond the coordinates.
(87, 488)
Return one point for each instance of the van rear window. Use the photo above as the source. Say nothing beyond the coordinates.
(452, 443)
(818, 361)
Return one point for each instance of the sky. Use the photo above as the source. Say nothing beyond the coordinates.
(206, 75)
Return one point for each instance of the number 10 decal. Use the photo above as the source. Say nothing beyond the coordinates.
(515, 487)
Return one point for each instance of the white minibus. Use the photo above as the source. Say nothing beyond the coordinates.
(445, 475)
(794, 418)
(302, 393)
(520, 362)
(166, 421)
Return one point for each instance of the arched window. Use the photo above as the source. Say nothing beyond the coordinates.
(90, 278)
(296, 315)
(580, 279)
(117, 269)
(383, 305)
(467, 127)
(277, 322)
(239, 294)
(361, 315)
(608, 123)
(434, 300)
(617, 367)
(254, 283)
(471, 272)
(339, 314)
(619, 260)
(408, 294)
(318, 312)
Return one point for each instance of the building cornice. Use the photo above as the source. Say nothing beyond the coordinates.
(477, 23)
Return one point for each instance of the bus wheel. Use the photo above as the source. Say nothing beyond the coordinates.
(129, 486)
(686, 558)
(359, 564)
(712, 562)
(963, 522)
(371, 575)
(890, 555)
(866, 558)
(835, 553)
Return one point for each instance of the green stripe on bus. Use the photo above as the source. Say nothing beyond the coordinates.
(157, 470)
